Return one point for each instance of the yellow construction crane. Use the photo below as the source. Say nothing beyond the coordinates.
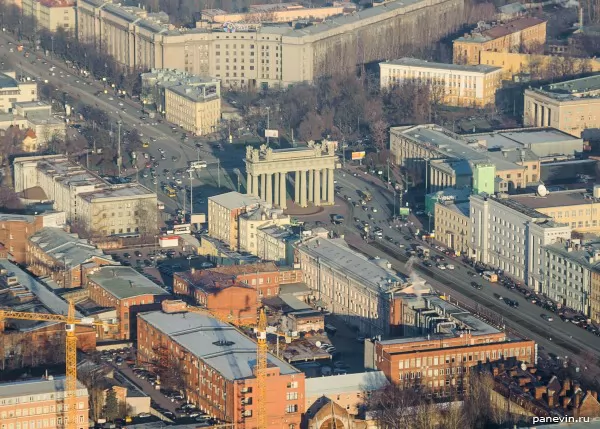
(70, 322)
(261, 373)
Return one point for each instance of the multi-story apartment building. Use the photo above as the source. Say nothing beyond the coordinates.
(64, 257)
(126, 290)
(15, 231)
(224, 297)
(252, 54)
(219, 368)
(51, 14)
(27, 343)
(449, 158)
(251, 221)
(569, 265)
(265, 278)
(13, 90)
(41, 403)
(512, 35)
(453, 84)
(278, 12)
(571, 106)
(89, 201)
(276, 243)
(511, 236)
(595, 296)
(452, 225)
(450, 343)
(348, 284)
(577, 207)
(224, 211)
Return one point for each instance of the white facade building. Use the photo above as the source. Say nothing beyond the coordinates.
(511, 236)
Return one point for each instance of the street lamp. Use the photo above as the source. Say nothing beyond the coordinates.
(268, 123)
(52, 39)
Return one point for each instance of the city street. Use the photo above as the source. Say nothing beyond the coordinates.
(177, 151)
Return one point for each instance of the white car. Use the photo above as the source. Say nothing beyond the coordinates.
(374, 210)
(450, 266)
(441, 267)
(178, 181)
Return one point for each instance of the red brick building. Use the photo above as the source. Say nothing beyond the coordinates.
(126, 290)
(219, 362)
(440, 344)
(15, 231)
(63, 256)
(264, 277)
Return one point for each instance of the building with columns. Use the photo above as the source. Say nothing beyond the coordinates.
(571, 106)
(312, 167)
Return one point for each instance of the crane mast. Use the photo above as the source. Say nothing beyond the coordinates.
(261, 373)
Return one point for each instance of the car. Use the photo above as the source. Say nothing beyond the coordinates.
(126, 255)
(138, 253)
(206, 265)
(450, 266)
(144, 415)
(194, 414)
(374, 209)
(428, 264)
(500, 297)
(547, 318)
(471, 274)
(441, 266)
(147, 263)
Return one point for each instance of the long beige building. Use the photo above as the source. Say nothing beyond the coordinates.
(571, 106)
(88, 200)
(264, 56)
(458, 85)
(51, 14)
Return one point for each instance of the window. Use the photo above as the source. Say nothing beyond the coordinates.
(293, 408)
(291, 396)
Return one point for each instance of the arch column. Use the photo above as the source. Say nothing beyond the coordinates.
(263, 185)
(330, 187)
(269, 179)
(297, 187)
(282, 188)
(255, 185)
(248, 183)
(303, 189)
(311, 195)
(276, 187)
(317, 191)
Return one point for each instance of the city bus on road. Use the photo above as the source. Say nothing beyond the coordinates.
(366, 196)
(197, 164)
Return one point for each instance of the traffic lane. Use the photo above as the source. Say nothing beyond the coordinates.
(399, 265)
(519, 316)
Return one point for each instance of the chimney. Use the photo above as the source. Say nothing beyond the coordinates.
(577, 400)
(566, 386)
(193, 270)
(550, 398)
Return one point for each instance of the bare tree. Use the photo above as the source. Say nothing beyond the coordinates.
(94, 381)
(146, 214)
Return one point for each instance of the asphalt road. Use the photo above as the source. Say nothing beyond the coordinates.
(561, 338)
(221, 163)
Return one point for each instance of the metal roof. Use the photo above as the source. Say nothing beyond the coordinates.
(418, 63)
(218, 344)
(234, 200)
(124, 282)
(347, 383)
(15, 389)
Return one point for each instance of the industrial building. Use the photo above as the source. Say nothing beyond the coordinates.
(440, 344)
(88, 200)
(41, 402)
(125, 290)
(348, 284)
(453, 84)
(571, 106)
(219, 366)
(251, 54)
(511, 236)
(63, 257)
(28, 343)
(503, 37)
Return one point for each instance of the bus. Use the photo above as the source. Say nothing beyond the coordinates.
(490, 276)
(170, 192)
(197, 164)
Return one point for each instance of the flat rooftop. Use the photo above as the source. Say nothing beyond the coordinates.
(124, 282)
(579, 253)
(346, 383)
(118, 191)
(522, 138)
(17, 389)
(235, 200)
(423, 64)
(218, 344)
(460, 208)
(556, 199)
(587, 86)
(336, 254)
(194, 92)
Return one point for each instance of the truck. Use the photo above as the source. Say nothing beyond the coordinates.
(366, 196)
(490, 276)
(197, 164)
